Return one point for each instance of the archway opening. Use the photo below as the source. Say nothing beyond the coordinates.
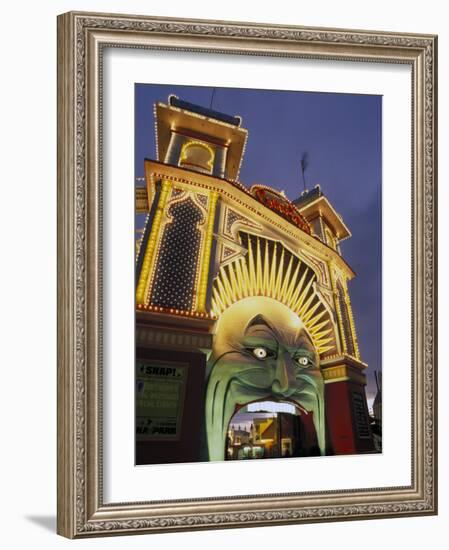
(271, 429)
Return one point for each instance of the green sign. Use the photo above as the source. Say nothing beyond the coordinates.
(160, 388)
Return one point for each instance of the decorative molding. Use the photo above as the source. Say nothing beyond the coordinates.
(343, 372)
(141, 200)
(248, 30)
(231, 218)
(172, 339)
(261, 518)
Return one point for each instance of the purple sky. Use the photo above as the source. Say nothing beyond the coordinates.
(342, 135)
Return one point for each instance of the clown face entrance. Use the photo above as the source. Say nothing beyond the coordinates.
(271, 429)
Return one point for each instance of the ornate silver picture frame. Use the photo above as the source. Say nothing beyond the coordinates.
(83, 510)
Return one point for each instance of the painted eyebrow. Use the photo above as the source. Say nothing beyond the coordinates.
(304, 352)
(264, 330)
(271, 343)
(259, 320)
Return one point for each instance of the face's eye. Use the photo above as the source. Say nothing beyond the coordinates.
(304, 361)
(260, 353)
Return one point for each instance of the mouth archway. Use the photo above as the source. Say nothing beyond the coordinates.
(237, 376)
(271, 429)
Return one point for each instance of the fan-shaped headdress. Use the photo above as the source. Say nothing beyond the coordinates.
(269, 269)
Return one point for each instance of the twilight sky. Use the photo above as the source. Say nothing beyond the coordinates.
(342, 135)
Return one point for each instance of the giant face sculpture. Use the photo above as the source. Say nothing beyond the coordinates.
(261, 350)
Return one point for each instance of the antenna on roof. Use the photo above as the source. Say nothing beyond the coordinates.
(212, 98)
(304, 164)
(378, 379)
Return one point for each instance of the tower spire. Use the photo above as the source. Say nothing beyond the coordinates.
(304, 164)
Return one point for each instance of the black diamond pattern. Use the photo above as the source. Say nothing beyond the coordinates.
(174, 282)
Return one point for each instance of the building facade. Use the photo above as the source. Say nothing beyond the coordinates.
(241, 296)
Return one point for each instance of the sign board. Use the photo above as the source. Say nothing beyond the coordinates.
(160, 389)
(281, 205)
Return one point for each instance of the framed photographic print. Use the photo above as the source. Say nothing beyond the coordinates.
(247, 274)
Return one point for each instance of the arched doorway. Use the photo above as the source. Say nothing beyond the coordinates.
(271, 429)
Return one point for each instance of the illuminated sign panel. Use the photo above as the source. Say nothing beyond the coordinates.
(281, 205)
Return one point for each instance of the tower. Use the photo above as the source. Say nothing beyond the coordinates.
(348, 429)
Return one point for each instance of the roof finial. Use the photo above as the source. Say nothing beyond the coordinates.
(304, 164)
(212, 98)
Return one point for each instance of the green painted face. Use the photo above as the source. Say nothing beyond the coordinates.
(261, 351)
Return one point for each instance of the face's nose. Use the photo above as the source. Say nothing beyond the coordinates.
(284, 375)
